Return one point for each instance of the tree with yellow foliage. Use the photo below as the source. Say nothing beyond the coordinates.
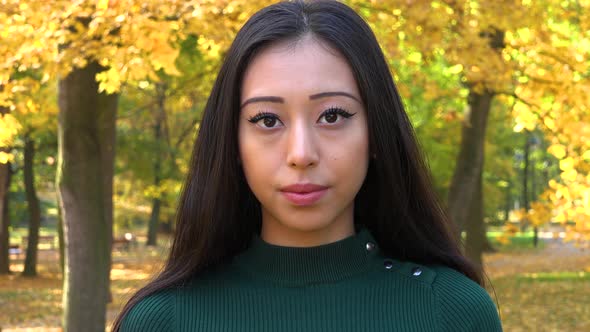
(94, 47)
(553, 95)
(534, 55)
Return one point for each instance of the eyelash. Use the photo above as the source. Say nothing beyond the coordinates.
(329, 111)
(338, 111)
(262, 115)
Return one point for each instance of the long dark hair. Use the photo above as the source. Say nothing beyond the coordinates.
(217, 212)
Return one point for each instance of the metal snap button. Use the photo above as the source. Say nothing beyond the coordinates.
(370, 246)
(416, 271)
(388, 264)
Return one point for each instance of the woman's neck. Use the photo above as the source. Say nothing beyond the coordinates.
(302, 235)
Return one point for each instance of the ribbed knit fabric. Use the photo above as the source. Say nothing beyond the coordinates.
(347, 285)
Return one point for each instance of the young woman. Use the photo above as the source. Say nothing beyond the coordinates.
(308, 206)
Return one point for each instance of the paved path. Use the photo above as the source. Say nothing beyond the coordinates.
(556, 256)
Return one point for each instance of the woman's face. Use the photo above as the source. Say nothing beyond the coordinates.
(303, 142)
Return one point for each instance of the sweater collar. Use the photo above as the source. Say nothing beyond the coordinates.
(309, 265)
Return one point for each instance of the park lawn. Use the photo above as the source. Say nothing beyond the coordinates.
(36, 302)
(536, 289)
(553, 304)
(16, 233)
(517, 242)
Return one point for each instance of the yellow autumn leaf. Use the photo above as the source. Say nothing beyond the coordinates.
(563, 192)
(518, 127)
(540, 213)
(569, 175)
(31, 106)
(557, 150)
(102, 4)
(560, 218)
(524, 117)
(166, 61)
(144, 42)
(109, 81)
(9, 127)
(566, 164)
(6, 157)
(456, 69)
(549, 123)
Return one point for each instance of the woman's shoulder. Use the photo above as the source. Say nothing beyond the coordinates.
(463, 304)
(460, 303)
(154, 312)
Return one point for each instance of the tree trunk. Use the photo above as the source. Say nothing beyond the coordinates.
(466, 193)
(469, 166)
(5, 177)
(476, 240)
(153, 226)
(525, 182)
(533, 171)
(156, 203)
(167, 226)
(30, 269)
(508, 202)
(159, 118)
(5, 173)
(60, 238)
(468, 171)
(86, 137)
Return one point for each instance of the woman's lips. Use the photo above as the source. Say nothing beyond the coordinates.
(303, 194)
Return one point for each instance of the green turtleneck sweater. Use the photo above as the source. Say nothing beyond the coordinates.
(347, 285)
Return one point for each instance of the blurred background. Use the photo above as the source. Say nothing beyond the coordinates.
(100, 103)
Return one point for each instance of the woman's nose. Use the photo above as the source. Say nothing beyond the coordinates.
(302, 149)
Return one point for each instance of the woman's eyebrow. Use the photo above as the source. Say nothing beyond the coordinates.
(261, 99)
(280, 100)
(333, 93)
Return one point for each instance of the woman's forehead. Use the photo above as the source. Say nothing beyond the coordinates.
(304, 67)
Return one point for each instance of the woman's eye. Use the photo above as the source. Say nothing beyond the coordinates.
(332, 114)
(331, 118)
(265, 120)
